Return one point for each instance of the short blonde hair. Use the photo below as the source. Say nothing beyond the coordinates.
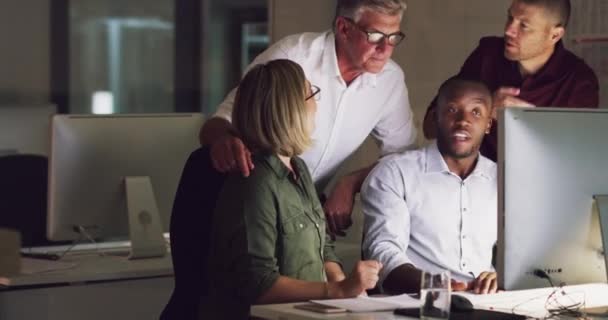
(269, 111)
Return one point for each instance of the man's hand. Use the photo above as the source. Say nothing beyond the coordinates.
(487, 282)
(229, 153)
(339, 206)
(506, 97)
(459, 286)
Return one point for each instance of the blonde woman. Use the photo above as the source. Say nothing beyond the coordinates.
(269, 243)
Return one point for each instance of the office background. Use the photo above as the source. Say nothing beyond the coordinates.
(215, 38)
(440, 34)
(184, 55)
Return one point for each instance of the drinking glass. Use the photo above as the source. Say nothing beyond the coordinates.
(435, 293)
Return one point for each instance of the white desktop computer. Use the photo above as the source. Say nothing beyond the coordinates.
(553, 178)
(113, 177)
(25, 129)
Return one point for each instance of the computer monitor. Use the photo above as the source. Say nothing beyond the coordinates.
(25, 129)
(552, 162)
(115, 176)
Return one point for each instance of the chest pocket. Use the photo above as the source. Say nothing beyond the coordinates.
(300, 253)
(295, 222)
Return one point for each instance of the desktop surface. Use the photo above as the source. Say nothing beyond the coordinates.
(88, 264)
(289, 311)
(533, 303)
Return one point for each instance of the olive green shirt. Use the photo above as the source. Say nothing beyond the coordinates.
(265, 225)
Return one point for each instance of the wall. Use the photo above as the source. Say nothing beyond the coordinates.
(221, 65)
(440, 34)
(24, 52)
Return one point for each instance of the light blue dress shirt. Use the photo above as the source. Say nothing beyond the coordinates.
(417, 211)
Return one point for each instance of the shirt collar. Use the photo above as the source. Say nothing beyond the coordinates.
(435, 163)
(330, 59)
(275, 164)
(279, 168)
(484, 168)
(434, 159)
(554, 68)
(330, 64)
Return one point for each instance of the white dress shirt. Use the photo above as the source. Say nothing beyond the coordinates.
(346, 115)
(417, 211)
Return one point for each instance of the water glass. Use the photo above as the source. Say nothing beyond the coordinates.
(435, 293)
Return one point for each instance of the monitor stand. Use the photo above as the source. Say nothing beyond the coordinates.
(145, 229)
(601, 203)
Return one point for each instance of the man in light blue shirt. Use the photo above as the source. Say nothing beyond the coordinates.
(435, 208)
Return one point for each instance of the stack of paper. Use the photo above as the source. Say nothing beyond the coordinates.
(372, 304)
(537, 303)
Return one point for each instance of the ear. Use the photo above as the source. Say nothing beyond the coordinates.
(341, 27)
(557, 33)
(489, 126)
(434, 115)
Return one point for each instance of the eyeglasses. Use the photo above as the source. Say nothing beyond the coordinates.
(315, 93)
(376, 37)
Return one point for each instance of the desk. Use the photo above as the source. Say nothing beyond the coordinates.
(532, 302)
(286, 311)
(96, 287)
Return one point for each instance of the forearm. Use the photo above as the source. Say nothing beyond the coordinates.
(355, 179)
(213, 129)
(403, 279)
(334, 272)
(287, 289)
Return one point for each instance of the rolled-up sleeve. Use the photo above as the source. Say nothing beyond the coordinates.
(260, 270)
(386, 218)
(329, 251)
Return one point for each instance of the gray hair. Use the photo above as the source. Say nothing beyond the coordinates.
(353, 8)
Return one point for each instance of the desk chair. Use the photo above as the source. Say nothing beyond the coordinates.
(23, 202)
(191, 225)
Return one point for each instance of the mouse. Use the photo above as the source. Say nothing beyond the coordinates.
(460, 303)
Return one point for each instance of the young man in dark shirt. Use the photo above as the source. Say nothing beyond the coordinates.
(529, 66)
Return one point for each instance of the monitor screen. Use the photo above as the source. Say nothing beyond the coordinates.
(25, 129)
(92, 158)
(551, 162)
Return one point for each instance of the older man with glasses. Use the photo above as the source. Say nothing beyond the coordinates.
(363, 93)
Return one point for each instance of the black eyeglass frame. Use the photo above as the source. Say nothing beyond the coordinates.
(314, 93)
(400, 35)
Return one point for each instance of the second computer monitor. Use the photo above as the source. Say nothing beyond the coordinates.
(25, 129)
(552, 162)
(94, 157)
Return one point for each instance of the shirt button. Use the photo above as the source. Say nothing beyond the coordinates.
(464, 209)
(464, 237)
(301, 226)
(316, 224)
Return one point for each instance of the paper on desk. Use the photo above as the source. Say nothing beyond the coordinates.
(372, 304)
(535, 302)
